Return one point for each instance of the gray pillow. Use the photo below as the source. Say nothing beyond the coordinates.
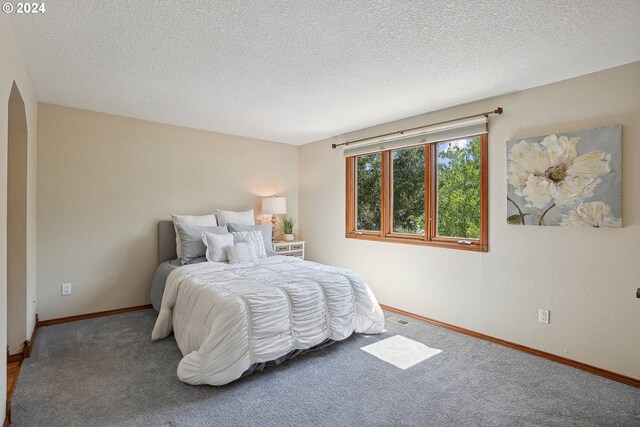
(265, 229)
(191, 239)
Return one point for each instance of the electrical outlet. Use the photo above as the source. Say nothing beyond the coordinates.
(66, 289)
(543, 315)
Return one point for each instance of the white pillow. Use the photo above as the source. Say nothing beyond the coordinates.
(241, 252)
(245, 217)
(252, 237)
(206, 220)
(216, 244)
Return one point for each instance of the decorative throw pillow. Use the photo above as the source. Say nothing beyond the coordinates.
(265, 229)
(252, 237)
(241, 252)
(191, 240)
(216, 244)
(225, 217)
(208, 220)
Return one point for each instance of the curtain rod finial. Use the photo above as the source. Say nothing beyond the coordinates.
(333, 145)
(499, 110)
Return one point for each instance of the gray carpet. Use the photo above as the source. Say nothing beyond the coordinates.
(107, 372)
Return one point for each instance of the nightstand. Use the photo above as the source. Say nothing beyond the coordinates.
(295, 248)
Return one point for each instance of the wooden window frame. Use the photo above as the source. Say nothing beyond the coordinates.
(430, 237)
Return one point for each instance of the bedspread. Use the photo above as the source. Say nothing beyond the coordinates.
(227, 317)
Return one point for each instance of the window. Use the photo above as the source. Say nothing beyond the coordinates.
(369, 184)
(408, 190)
(431, 194)
(458, 188)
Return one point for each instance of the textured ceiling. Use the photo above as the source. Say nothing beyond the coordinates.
(299, 71)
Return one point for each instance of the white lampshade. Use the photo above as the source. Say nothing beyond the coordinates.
(274, 205)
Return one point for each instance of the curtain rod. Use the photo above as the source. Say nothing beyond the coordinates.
(498, 110)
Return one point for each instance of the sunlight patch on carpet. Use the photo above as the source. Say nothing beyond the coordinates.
(400, 351)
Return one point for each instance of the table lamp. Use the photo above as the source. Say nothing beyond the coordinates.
(274, 206)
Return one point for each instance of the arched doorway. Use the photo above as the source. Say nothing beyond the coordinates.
(16, 223)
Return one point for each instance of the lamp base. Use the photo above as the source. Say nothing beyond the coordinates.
(274, 220)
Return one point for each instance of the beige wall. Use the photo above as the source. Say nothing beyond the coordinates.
(587, 278)
(12, 69)
(105, 181)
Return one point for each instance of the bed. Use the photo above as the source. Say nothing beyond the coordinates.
(230, 320)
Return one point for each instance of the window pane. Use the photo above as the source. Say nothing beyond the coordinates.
(459, 188)
(368, 190)
(408, 190)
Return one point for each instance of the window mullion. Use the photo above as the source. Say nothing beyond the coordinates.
(351, 195)
(429, 217)
(385, 217)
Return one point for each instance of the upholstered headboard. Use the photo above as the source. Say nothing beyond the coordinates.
(166, 242)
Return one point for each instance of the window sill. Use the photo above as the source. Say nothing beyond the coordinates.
(474, 247)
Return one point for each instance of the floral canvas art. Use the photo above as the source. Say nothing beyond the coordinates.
(568, 179)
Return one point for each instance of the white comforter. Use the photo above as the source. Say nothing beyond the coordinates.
(227, 317)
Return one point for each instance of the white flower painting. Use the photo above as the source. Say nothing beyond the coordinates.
(571, 179)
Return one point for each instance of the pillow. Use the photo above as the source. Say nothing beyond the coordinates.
(208, 220)
(265, 229)
(241, 252)
(191, 240)
(216, 244)
(245, 217)
(252, 237)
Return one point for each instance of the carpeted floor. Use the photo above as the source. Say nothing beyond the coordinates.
(107, 372)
